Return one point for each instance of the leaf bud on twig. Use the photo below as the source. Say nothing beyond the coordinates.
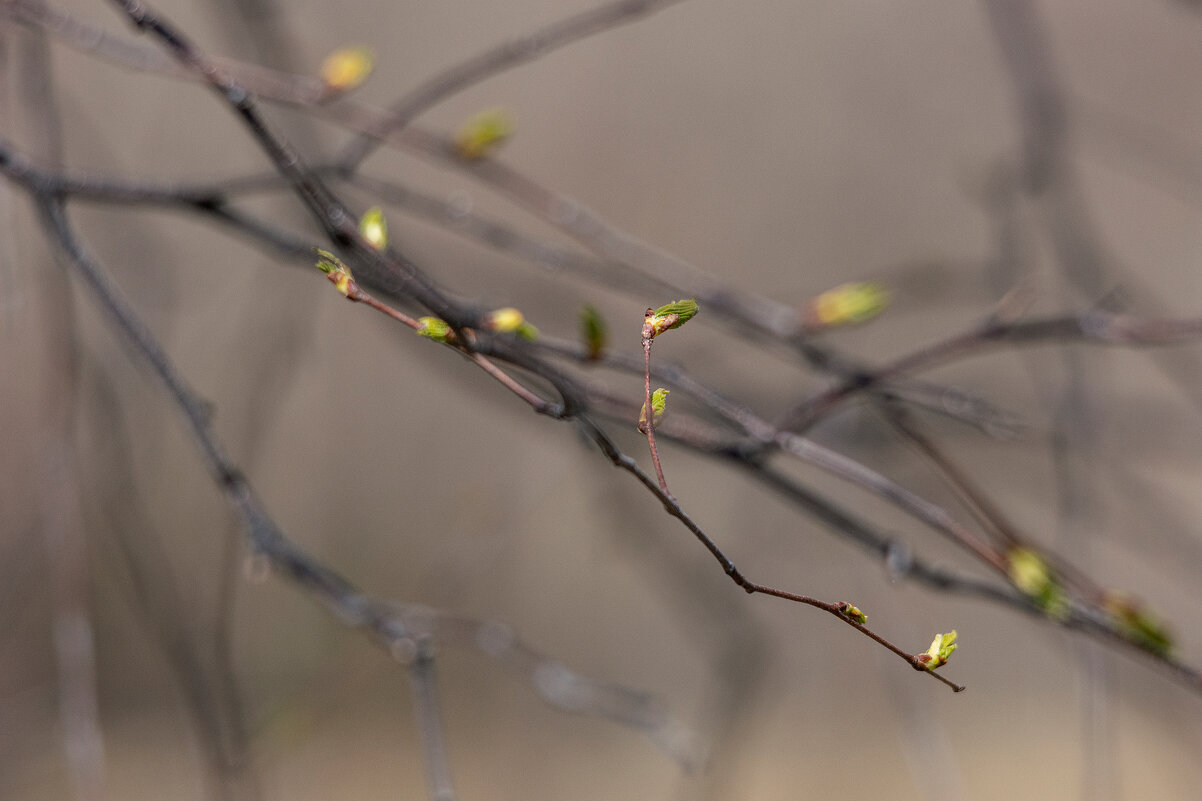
(511, 321)
(846, 304)
(338, 273)
(483, 133)
(941, 649)
(1137, 624)
(1035, 578)
(435, 329)
(852, 612)
(374, 228)
(667, 317)
(592, 329)
(659, 403)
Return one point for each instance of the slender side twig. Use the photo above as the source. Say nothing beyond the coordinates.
(351, 290)
(673, 508)
(349, 287)
(989, 517)
(1093, 327)
(649, 426)
(494, 61)
(983, 510)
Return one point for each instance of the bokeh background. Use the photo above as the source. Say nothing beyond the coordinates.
(783, 147)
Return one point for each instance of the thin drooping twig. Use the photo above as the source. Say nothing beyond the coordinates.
(673, 508)
(353, 292)
(349, 287)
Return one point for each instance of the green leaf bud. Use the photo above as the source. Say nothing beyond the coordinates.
(435, 329)
(592, 329)
(1035, 578)
(338, 273)
(852, 612)
(347, 68)
(483, 133)
(374, 228)
(659, 403)
(940, 651)
(847, 304)
(667, 317)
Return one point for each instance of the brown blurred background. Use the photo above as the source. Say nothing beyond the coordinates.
(783, 147)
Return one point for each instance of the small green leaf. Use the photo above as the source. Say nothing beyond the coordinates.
(659, 404)
(338, 273)
(327, 262)
(667, 317)
(847, 304)
(374, 228)
(683, 309)
(940, 651)
(483, 133)
(592, 329)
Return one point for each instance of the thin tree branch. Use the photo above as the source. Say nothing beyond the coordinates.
(673, 508)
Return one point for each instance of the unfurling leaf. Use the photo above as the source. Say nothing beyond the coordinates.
(667, 317)
(941, 649)
(374, 228)
(338, 273)
(345, 69)
(483, 133)
(592, 329)
(659, 403)
(852, 612)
